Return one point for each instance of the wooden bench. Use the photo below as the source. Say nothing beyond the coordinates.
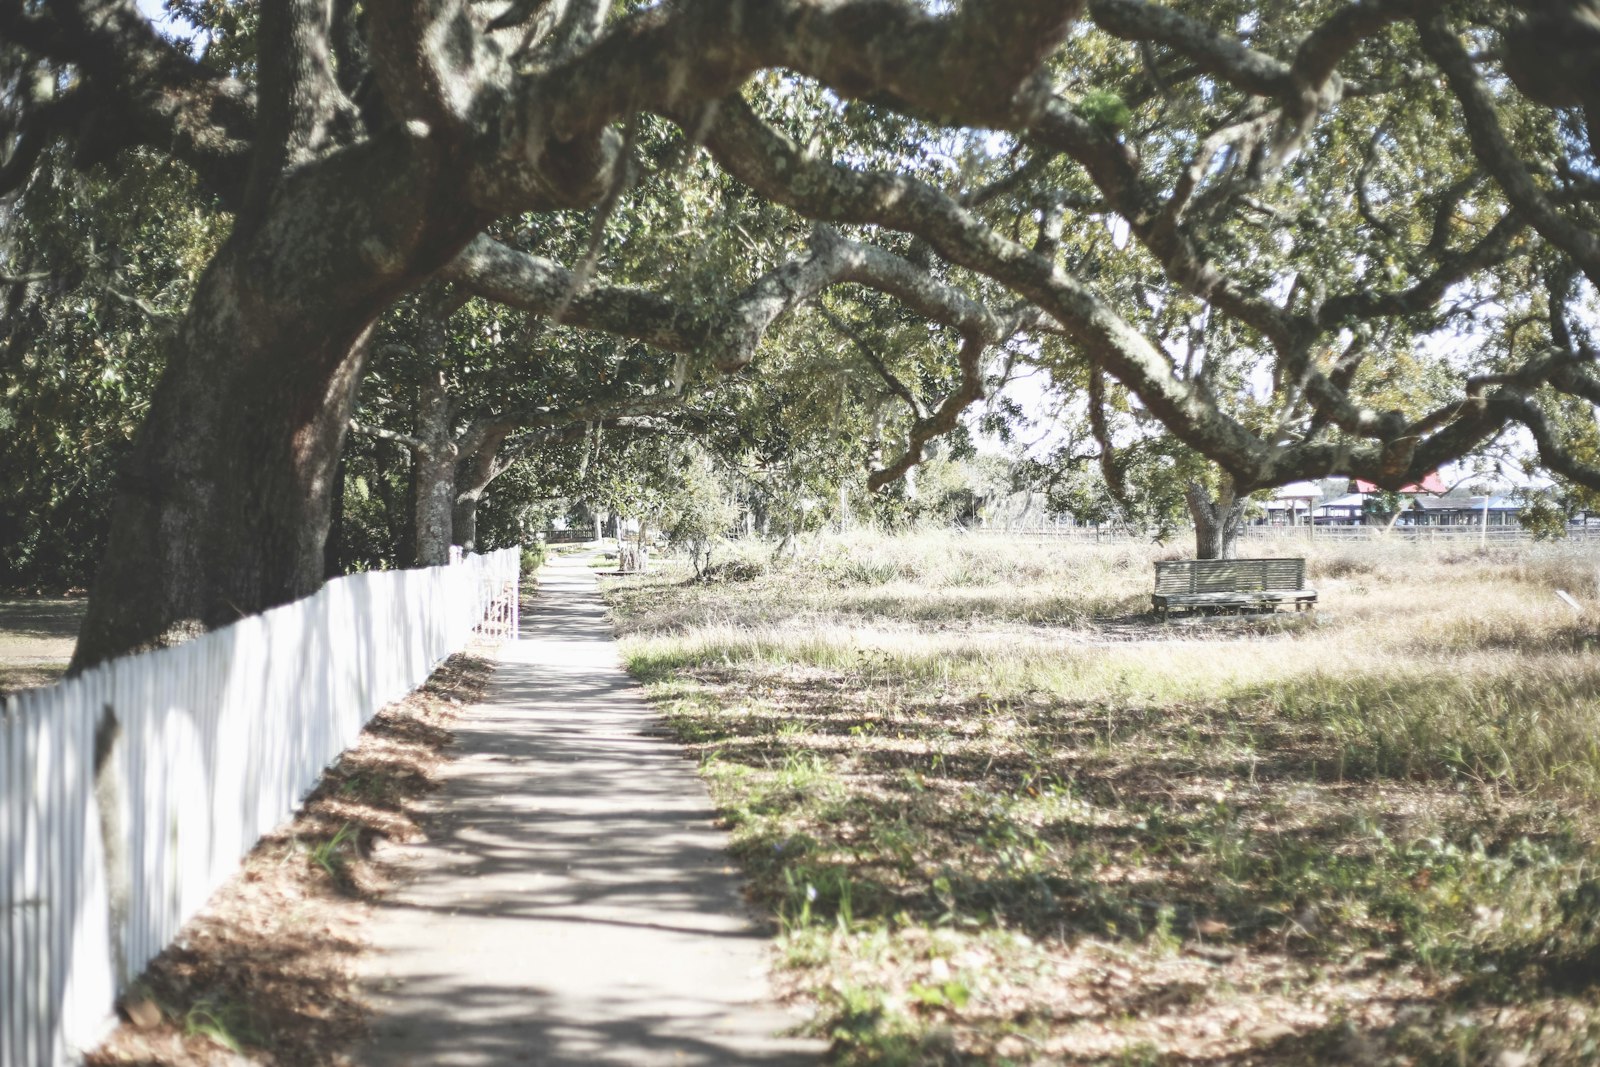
(1231, 584)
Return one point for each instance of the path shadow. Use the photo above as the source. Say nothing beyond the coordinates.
(575, 903)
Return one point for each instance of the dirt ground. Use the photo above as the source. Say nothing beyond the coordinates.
(264, 975)
(37, 635)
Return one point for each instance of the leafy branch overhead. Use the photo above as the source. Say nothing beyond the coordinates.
(1302, 238)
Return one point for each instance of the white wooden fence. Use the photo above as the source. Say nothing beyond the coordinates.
(180, 760)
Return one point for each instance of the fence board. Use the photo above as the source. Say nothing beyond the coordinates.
(220, 739)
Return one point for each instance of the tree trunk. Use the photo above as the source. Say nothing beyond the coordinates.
(223, 507)
(435, 507)
(625, 551)
(464, 521)
(1216, 521)
(478, 465)
(435, 470)
(401, 515)
(333, 548)
(788, 546)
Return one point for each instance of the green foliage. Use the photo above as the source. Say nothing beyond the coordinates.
(331, 854)
(374, 524)
(1380, 507)
(522, 502)
(1541, 516)
(115, 257)
(953, 487)
(1105, 109)
(1153, 473)
(836, 389)
(225, 1022)
(697, 509)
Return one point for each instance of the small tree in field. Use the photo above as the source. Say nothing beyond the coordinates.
(698, 510)
(1541, 515)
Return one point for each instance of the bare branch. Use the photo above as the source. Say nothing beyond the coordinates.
(978, 65)
(1116, 171)
(144, 89)
(1496, 154)
(1551, 453)
(1453, 267)
(1100, 428)
(541, 286)
(772, 164)
(728, 334)
(1212, 52)
(139, 304)
(942, 421)
(367, 430)
(433, 63)
(875, 361)
(302, 111)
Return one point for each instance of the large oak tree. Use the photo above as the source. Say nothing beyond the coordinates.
(1329, 188)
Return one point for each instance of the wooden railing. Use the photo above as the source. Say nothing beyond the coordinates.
(130, 793)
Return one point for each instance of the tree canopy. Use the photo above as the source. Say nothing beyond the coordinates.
(1303, 239)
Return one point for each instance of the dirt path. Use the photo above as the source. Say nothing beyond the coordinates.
(37, 635)
(575, 904)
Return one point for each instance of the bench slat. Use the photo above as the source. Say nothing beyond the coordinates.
(1231, 583)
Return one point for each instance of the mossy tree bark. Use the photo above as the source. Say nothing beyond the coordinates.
(1216, 520)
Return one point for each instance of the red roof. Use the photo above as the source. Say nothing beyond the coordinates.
(1431, 483)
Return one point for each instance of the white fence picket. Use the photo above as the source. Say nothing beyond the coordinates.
(220, 739)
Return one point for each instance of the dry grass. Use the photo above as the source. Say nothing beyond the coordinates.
(1002, 816)
(264, 974)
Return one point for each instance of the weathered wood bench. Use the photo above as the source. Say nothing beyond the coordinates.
(1231, 584)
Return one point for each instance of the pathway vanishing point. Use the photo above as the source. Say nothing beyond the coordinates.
(575, 904)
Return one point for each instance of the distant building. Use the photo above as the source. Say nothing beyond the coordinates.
(1292, 504)
(1349, 510)
(1491, 510)
(1426, 502)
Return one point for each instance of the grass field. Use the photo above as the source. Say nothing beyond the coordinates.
(1000, 815)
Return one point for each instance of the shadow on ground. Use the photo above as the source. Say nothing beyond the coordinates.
(574, 903)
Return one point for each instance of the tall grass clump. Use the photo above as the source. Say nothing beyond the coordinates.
(1527, 723)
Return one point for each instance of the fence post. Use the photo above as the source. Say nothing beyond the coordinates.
(516, 596)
